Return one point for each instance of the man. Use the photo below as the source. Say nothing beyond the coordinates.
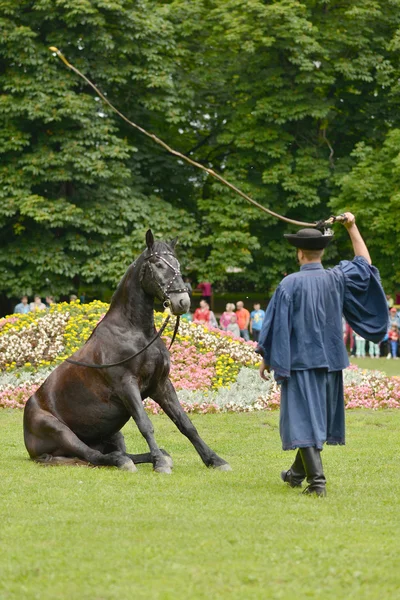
(23, 306)
(256, 320)
(243, 320)
(301, 340)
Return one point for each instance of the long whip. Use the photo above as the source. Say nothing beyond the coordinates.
(211, 172)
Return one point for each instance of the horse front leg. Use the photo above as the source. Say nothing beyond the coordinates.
(168, 400)
(129, 394)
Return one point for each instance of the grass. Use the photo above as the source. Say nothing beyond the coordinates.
(102, 534)
(390, 367)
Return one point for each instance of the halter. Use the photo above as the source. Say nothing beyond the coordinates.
(176, 271)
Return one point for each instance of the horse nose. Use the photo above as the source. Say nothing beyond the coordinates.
(182, 302)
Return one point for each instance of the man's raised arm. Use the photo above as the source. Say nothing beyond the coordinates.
(359, 246)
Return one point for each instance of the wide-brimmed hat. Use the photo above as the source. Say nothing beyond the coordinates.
(310, 239)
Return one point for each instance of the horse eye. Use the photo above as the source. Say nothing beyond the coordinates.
(159, 264)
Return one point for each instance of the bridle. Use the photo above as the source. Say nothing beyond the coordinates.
(165, 291)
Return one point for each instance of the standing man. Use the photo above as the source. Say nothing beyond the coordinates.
(256, 320)
(302, 341)
(243, 320)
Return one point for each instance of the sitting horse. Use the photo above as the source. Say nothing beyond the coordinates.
(77, 414)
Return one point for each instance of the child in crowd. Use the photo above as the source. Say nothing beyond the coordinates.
(360, 346)
(256, 320)
(233, 327)
(394, 341)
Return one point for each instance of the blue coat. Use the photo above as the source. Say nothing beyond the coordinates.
(302, 328)
(302, 341)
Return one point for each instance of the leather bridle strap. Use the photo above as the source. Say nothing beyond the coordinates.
(125, 360)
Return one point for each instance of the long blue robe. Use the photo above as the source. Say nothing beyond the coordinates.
(302, 332)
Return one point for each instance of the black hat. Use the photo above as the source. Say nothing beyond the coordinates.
(310, 239)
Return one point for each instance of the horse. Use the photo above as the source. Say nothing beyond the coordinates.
(77, 414)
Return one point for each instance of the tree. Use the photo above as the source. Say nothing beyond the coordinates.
(73, 204)
(288, 89)
(371, 191)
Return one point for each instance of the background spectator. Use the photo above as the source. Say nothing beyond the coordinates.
(206, 291)
(348, 336)
(225, 318)
(202, 314)
(393, 317)
(188, 317)
(23, 307)
(374, 350)
(73, 298)
(243, 320)
(212, 321)
(360, 346)
(256, 320)
(188, 285)
(394, 341)
(233, 327)
(390, 300)
(37, 304)
(49, 301)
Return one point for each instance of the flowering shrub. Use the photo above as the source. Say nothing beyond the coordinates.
(31, 343)
(211, 370)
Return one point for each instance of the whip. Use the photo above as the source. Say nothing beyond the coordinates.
(319, 224)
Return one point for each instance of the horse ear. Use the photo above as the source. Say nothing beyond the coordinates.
(173, 243)
(149, 239)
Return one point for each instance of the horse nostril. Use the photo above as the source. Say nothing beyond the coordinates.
(181, 303)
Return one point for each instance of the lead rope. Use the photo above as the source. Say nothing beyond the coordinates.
(175, 331)
(160, 142)
(121, 362)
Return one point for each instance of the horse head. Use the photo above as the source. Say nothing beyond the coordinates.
(161, 276)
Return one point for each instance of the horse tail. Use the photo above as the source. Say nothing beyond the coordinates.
(48, 460)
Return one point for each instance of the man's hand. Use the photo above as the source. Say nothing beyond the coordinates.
(350, 220)
(264, 368)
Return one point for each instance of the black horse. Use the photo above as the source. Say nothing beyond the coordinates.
(78, 412)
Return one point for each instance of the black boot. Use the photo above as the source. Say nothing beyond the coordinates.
(296, 474)
(315, 474)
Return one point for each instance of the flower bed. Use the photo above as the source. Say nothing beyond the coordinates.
(212, 371)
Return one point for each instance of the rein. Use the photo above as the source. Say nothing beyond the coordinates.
(128, 358)
(164, 290)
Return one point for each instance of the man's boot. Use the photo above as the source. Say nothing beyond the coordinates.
(315, 474)
(296, 474)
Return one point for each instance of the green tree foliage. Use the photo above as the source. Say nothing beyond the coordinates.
(73, 206)
(289, 89)
(289, 99)
(371, 190)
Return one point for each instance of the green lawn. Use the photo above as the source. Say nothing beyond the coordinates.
(390, 367)
(102, 534)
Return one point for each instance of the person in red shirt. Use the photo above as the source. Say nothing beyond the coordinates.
(243, 320)
(202, 314)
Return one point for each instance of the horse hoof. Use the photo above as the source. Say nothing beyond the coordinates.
(129, 465)
(224, 467)
(163, 469)
(168, 461)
